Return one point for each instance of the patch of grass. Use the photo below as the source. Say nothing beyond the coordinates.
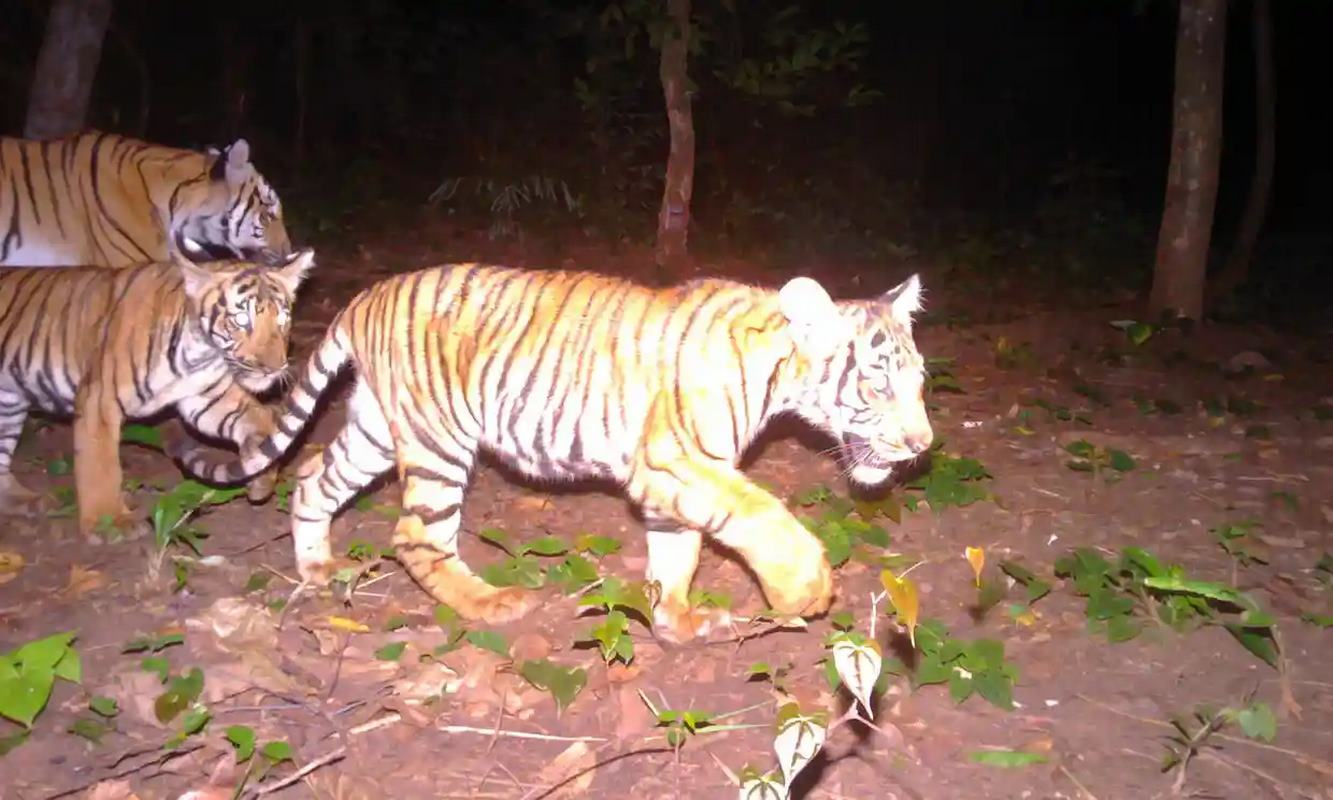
(951, 481)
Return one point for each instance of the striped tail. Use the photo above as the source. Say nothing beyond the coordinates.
(212, 466)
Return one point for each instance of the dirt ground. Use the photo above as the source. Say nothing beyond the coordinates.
(463, 724)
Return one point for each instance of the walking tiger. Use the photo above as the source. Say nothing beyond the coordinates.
(104, 345)
(567, 374)
(98, 199)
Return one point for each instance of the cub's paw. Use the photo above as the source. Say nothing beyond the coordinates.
(112, 528)
(804, 588)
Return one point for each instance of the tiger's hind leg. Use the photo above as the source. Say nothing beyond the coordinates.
(426, 539)
(326, 481)
(13, 412)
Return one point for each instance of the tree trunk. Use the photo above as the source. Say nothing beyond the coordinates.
(673, 220)
(1237, 267)
(62, 83)
(1196, 143)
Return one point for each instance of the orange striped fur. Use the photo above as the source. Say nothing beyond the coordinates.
(568, 375)
(105, 345)
(99, 199)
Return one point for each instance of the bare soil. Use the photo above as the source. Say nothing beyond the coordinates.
(464, 725)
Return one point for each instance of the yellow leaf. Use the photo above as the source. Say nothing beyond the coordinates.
(903, 595)
(349, 625)
(977, 558)
(1026, 618)
(11, 564)
(1274, 377)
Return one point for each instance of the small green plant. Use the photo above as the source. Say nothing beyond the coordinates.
(940, 378)
(969, 667)
(1139, 586)
(244, 741)
(951, 481)
(612, 634)
(153, 643)
(1235, 539)
(1096, 459)
(1136, 332)
(28, 673)
(523, 568)
(1192, 732)
(843, 534)
(1061, 413)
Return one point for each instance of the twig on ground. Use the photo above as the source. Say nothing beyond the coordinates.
(286, 780)
(1087, 795)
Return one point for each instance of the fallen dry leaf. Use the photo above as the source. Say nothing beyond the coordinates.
(111, 790)
(82, 581)
(11, 564)
(574, 766)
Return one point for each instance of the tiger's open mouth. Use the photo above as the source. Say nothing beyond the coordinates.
(861, 452)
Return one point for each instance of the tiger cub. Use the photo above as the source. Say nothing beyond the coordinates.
(104, 345)
(104, 200)
(568, 375)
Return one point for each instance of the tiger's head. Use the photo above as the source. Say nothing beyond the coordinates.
(231, 211)
(864, 380)
(243, 309)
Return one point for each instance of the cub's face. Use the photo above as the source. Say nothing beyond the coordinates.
(244, 310)
(866, 379)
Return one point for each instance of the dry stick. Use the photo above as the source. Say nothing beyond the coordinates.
(278, 783)
(1317, 764)
(1086, 794)
(545, 737)
(161, 758)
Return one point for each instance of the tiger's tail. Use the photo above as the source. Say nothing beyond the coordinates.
(212, 466)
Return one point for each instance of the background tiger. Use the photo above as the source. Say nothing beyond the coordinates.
(104, 345)
(104, 200)
(574, 374)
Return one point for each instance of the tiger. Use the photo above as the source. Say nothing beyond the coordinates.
(99, 199)
(568, 375)
(106, 345)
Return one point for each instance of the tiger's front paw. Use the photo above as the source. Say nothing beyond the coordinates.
(679, 625)
(801, 585)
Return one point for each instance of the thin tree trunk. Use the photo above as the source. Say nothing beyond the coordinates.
(1196, 144)
(145, 79)
(673, 220)
(62, 83)
(1237, 267)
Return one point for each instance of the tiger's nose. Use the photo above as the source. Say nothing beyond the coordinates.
(919, 442)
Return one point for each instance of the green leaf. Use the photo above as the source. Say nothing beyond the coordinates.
(1008, 759)
(1257, 641)
(600, 546)
(146, 435)
(547, 546)
(195, 720)
(995, 687)
(446, 617)
(152, 644)
(391, 651)
(1081, 448)
(59, 466)
(242, 738)
(258, 581)
(396, 622)
(563, 683)
(89, 728)
(45, 653)
(24, 696)
(1120, 461)
(1139, 332)
(1209, 589)
(1258, 722)
(572, 574)
(105, 706)
(277, 752)
(499, 538)
(158, 665)
(488, 640)
(9, 743)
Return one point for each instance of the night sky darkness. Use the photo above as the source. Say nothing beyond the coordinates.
(984, 100)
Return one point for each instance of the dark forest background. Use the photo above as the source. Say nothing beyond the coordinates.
(997, 134)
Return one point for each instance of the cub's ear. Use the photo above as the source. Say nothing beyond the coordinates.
(196, 278)
(905, 300)
(816, 324)
(232, 163)
(295, 269)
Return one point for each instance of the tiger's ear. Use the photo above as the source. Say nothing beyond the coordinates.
(904, 300)
(197, 279)
(816, 324)
(233, 162)
(298, 264)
